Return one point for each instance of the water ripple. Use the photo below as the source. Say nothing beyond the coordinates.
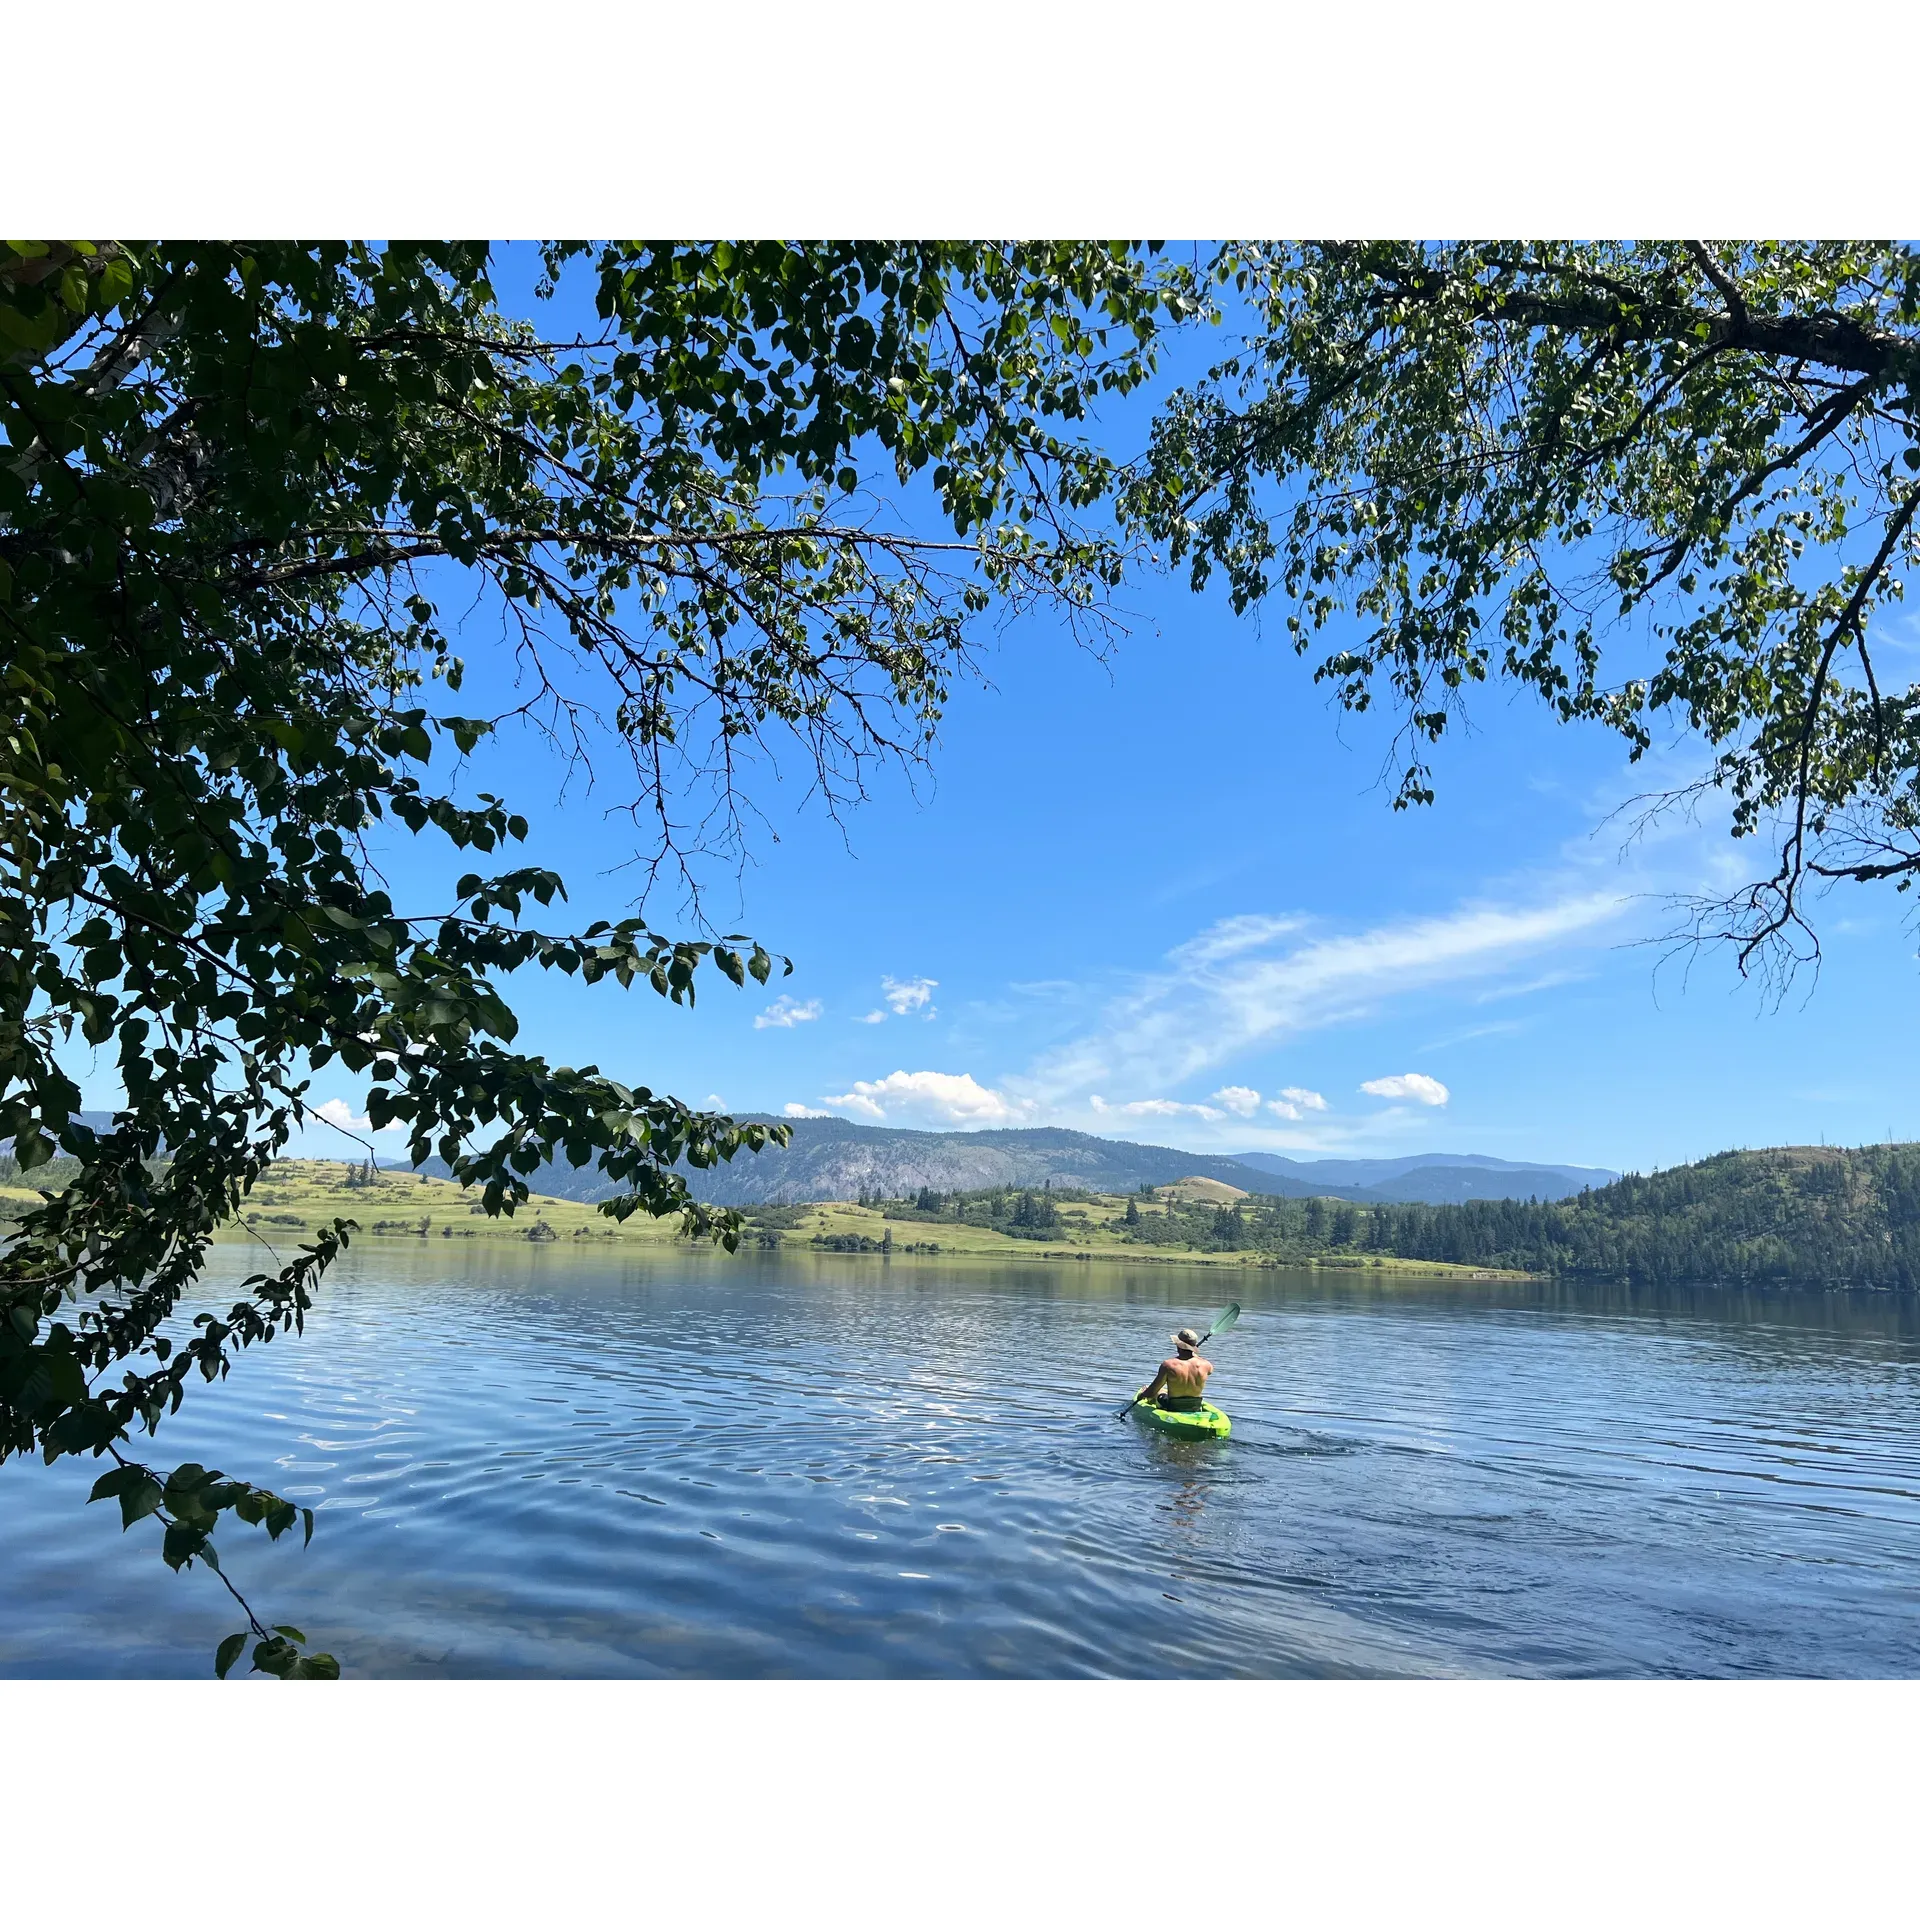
(534, 1461)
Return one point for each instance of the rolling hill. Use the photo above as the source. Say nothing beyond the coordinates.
(841, 1160)
(1773, 1216)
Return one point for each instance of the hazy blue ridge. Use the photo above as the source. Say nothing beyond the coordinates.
(1443, 1178)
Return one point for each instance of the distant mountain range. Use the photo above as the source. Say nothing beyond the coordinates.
(840, 1160)
(1438, 1177)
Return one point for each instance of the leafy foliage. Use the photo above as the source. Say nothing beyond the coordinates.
(1506, 459)
(235, 483)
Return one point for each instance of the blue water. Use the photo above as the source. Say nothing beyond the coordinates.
(912, 1469)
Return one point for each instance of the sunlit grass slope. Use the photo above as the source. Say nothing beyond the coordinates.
(298, 1197)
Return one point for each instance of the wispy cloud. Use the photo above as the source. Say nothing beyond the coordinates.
(902, 997)
(908, 996)
(1558, 977)
(1241, 933)
(1254, 981)
(1156, 1109)
(1420, 1087)
(788, 1012)
(798, 1110)
(1241, 1100)
(1491, 1030)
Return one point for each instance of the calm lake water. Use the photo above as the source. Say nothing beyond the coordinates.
(912, 1469)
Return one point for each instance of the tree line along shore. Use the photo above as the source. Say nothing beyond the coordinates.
(1782, 1216)
(1786, 1216)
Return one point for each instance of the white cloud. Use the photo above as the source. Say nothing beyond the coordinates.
(872, 1019)
(342, 1115)
(1295, 1103)
(1156, 1109)
(858, 1102)
(788, 1012)
(795, 1110)
(1228, 991)
(1559, 977)
(955, 1098)
(1242, 933)
(1407, 1086)
(1492, 1029)
(1241, 1100)
(908, 996)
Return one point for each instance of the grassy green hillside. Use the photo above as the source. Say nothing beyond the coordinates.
(1176, 1223)
(298, 1196)
(1782, 1216)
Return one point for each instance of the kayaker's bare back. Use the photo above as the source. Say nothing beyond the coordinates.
(1181, 1381)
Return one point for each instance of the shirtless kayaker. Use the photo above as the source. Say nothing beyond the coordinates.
(1181, 1384)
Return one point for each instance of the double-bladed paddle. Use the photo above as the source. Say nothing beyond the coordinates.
(1220, 1325)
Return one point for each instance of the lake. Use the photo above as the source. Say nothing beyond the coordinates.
(912, 1468)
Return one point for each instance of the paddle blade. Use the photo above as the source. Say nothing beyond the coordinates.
(1225, 1320)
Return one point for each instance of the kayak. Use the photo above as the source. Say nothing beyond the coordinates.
(1205, 1423)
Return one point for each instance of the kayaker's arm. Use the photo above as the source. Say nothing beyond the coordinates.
(1153, 1386)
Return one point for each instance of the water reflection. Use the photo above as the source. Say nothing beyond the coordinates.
(1423, 1478)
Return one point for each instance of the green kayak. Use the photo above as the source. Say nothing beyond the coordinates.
(1207, 1423)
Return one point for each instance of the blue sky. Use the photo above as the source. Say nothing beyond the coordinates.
(1162, 896)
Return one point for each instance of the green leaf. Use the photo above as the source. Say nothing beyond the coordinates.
(111, 1485)
(275, 1655)
(65, 1376)
(316, 1666)
(139, 1500)
(184, 1479)
(227, 1653)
